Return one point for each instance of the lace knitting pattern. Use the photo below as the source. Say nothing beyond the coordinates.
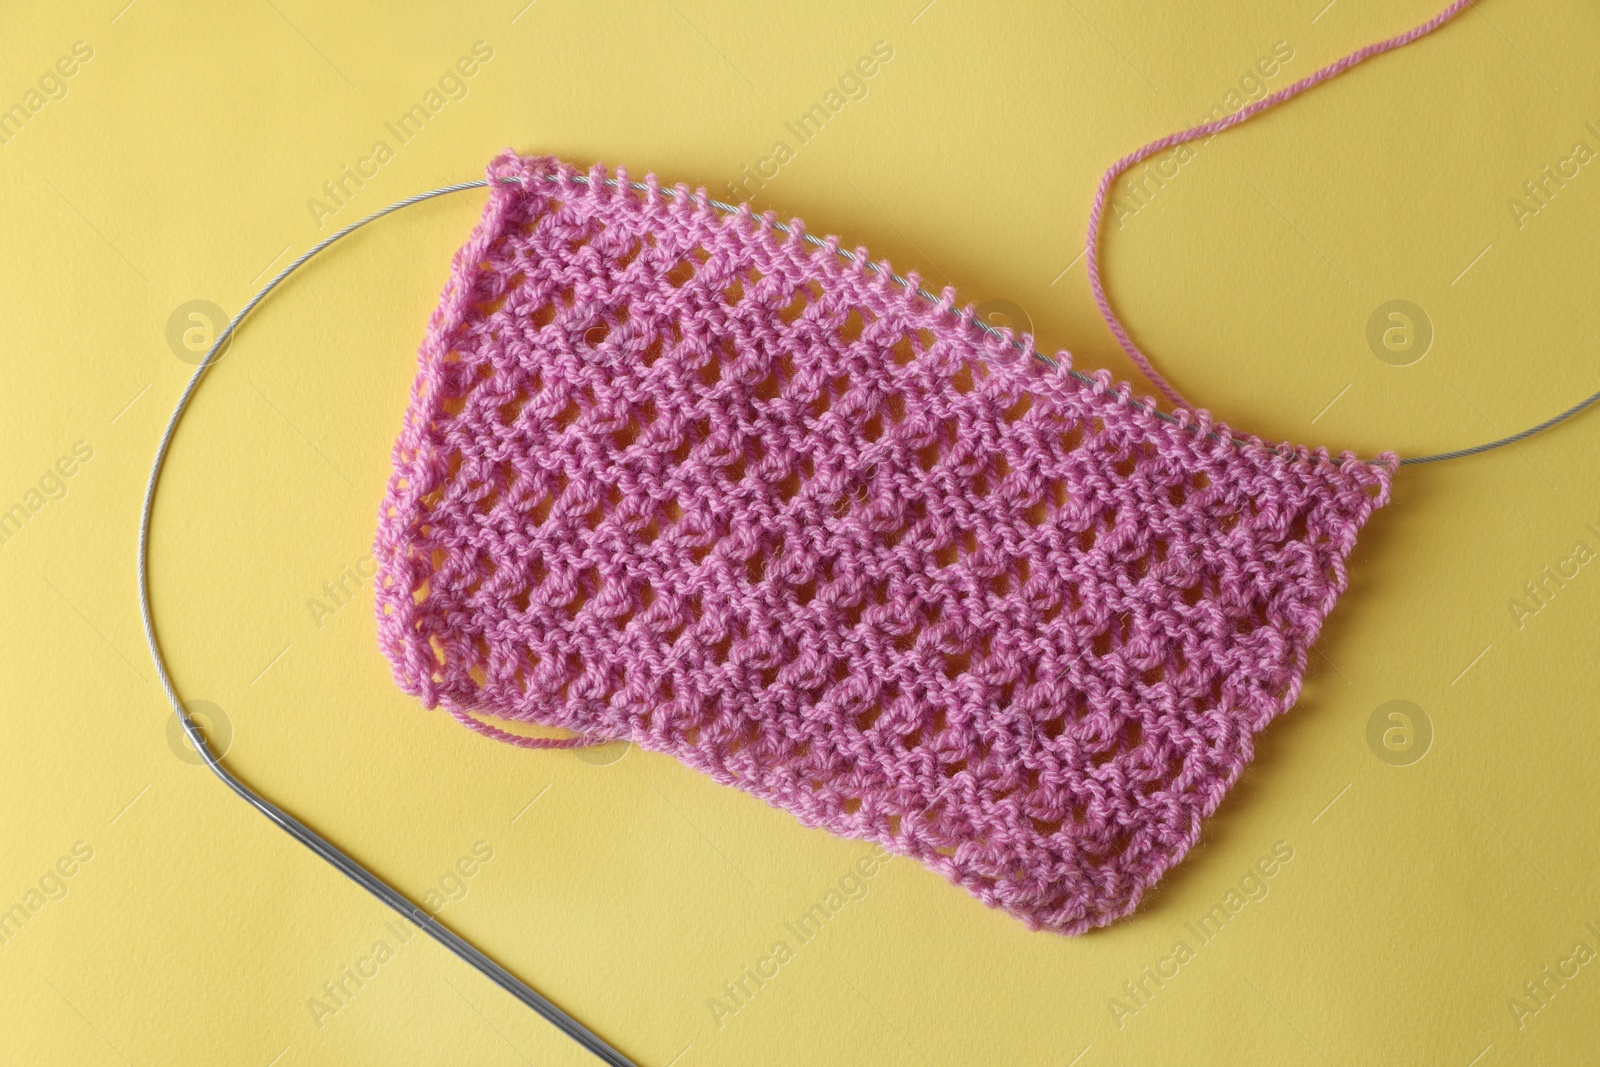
(675, 476)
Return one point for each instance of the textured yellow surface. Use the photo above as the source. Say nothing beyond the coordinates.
(1434, 910)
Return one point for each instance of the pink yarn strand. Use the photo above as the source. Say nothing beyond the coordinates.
(1207, 129)
(522, 740)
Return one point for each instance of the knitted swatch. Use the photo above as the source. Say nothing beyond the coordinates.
(676, 476)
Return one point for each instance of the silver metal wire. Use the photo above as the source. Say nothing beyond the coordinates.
(348, 866)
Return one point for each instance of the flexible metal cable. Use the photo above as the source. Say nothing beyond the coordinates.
(349, 867)
(296, 829)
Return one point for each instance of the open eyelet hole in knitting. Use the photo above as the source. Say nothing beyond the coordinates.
(832, 544)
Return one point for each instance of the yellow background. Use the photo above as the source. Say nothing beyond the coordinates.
(178, 166)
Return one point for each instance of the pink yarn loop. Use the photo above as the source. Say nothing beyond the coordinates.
(522, 740)
(1207, 129)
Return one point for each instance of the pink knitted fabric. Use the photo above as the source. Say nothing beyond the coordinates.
(675, 476)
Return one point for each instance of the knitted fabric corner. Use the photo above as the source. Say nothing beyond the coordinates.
(677, 476)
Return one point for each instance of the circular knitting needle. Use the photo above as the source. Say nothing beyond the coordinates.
(343, 862)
